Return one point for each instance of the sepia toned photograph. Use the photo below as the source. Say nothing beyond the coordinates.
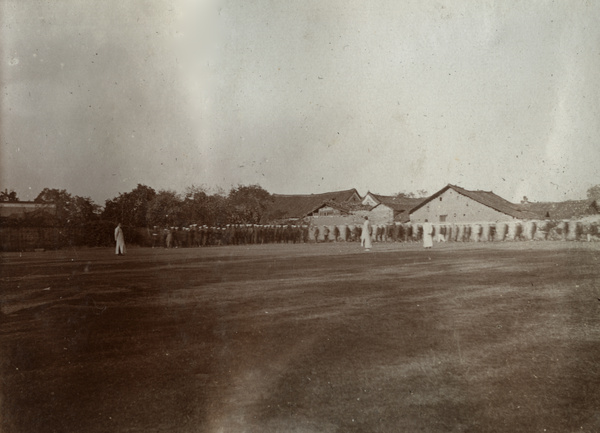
(228, 216)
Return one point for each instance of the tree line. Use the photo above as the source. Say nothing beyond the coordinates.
(145, 207)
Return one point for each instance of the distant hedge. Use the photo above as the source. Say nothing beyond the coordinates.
(21, 237)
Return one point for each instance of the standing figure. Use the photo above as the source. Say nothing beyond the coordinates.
(169, 240)
(365, 237)
(336, 233)
(326, 233)
(120, 240)
(378, 233)
(155, 239)
(441, 237)
(356, 233)
(427, 235)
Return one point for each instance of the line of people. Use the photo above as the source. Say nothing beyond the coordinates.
(246, 234)
(230, 234)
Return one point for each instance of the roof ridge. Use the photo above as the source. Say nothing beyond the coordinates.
(315, 194)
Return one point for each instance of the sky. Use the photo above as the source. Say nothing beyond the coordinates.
(302, 97)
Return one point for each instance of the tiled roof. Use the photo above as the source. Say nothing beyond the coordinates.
(563, 210)
(486, 198)
(403, 217)
(299, 205)
(342, 207)
(398, 204)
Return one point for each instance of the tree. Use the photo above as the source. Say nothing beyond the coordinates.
(248, 203)
(593, 193)
(200, 207)
(60, 198)
(83, 210)
(70, 209)
(195, 205)
(130, 208)
(421, 193)
(10, 196)
(166, 209)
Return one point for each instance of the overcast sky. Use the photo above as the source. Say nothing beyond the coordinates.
(300, 96)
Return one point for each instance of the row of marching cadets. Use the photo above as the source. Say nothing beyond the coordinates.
(516, 230)
(379, 233)
(248, 234)
(230, 234)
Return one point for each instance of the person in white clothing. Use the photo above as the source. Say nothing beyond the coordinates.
(427, 235)
(365, 236)
(120, 240)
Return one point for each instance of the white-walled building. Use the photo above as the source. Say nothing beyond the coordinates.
(453, 204)
(390, 208)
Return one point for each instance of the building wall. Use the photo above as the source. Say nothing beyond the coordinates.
(369, 201)
(333, 220)
(381, 215)
(378, 215)
(327, 211)
(18, 209)
(458, 209)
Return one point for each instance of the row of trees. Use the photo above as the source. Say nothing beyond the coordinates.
(146, 207)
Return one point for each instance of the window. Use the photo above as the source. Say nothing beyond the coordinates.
(440, 198)
(443, 218)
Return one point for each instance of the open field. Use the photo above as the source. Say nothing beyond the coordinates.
(302, 338)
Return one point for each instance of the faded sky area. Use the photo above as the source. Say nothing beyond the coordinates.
(300, 97)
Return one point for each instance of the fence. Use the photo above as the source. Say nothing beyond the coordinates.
(99, 234)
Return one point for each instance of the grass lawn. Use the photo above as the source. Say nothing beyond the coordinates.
(302, 338)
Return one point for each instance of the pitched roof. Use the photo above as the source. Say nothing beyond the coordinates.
(299, 205)
(342, 207)
(398, 204)
(380, 197)
(19, 208)
(563, 210)
(486, 198)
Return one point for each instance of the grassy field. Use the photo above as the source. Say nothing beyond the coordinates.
(302, 338)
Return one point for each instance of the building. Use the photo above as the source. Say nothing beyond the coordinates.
(390, 208)
(330, 209)
(20, 209)
(298, 206)
(563, 210)
(453, 204)
(333, 213)
(371, 199)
